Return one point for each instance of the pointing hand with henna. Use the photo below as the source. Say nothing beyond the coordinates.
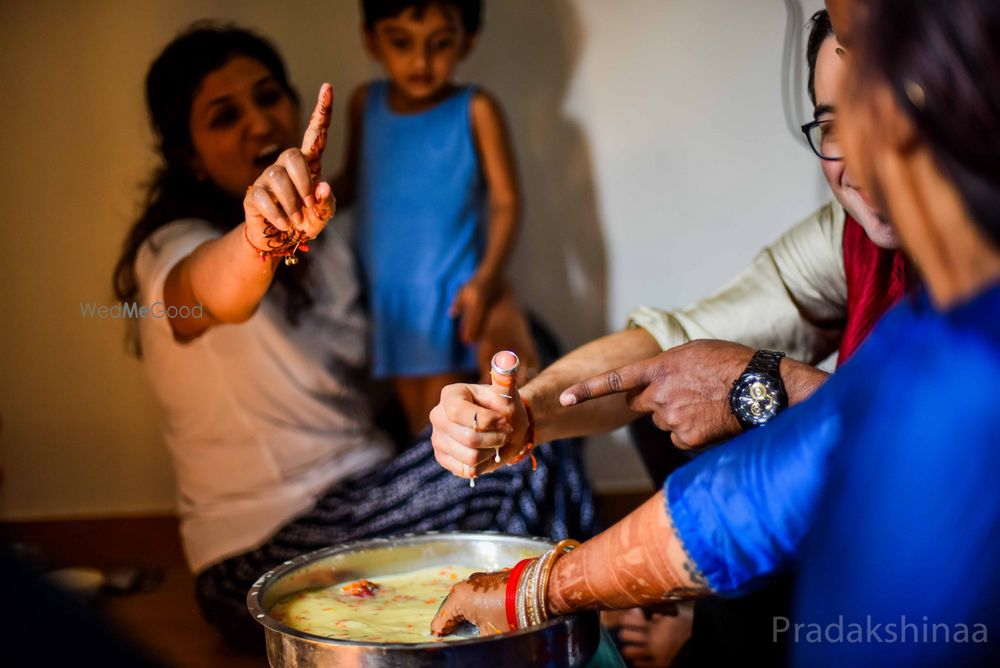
(289, 203)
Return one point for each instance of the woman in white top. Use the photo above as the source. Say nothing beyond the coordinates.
(259, 363)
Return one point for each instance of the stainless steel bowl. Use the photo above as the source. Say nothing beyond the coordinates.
(564, 641)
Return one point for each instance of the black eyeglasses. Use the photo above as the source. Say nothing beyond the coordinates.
(822, 138)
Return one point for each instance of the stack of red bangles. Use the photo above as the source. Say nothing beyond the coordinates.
(528, 585)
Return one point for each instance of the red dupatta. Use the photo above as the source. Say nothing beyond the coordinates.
(876, 279)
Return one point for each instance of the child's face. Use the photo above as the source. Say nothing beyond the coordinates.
(420, 55)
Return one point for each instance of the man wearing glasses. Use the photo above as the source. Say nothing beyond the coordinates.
(876, 271)
(819, 288)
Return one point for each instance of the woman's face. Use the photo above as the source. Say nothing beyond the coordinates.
(883, 153)
(862, 144)
(241, 119)
(829, 73)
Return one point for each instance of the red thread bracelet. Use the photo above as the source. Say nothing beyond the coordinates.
(529, 437)
(511, 597)
(284, 252)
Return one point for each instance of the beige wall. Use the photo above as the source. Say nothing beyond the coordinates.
(650, 139)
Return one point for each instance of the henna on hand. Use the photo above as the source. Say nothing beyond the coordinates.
(278, 240)
(479, 600)
(317, 200)
(314, 141)
(487, 581)
(637, 562)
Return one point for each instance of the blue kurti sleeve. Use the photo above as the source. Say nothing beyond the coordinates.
(903, 553)
(742, 508)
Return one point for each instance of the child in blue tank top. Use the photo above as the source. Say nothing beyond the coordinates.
(430, 167)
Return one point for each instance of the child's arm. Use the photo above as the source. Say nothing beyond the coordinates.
(345, 183)
(497, 159)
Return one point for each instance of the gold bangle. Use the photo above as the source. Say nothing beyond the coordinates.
(529, 594)
(529, 586)
(533, 592)
(539, 601)
(522, 613)
(561, 548)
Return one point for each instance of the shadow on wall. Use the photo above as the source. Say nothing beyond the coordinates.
(526, 56)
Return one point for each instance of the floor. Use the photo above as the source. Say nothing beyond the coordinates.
(165, 621)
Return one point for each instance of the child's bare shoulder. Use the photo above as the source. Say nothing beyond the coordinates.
(484, 98)
(485, 108)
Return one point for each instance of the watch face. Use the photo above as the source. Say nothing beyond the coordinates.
(755, 399)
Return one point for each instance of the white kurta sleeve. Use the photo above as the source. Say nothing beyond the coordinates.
(793, 297)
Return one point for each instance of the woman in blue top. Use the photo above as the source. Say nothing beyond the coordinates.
(882, 487)
(430, 167)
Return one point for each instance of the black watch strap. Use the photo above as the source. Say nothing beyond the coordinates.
(763, 364)
(767, 361)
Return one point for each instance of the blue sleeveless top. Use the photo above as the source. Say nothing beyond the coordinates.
(420, 230)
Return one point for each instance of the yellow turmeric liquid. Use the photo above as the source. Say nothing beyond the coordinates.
(400, 611)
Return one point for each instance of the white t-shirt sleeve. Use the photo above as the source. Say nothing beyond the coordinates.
(163, 250)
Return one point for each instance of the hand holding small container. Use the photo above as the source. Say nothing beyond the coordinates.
(478, 428)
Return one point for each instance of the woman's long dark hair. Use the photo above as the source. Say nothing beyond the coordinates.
(175, 192)
(942, 61)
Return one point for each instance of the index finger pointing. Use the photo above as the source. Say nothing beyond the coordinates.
(314, 141)
(622, 379)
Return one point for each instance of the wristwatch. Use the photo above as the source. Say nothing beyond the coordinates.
(758, 394)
